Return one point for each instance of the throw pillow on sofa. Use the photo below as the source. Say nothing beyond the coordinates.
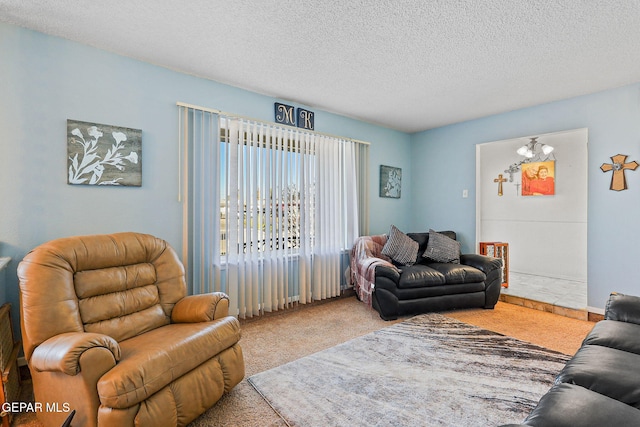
(441, 248)
(400, 247)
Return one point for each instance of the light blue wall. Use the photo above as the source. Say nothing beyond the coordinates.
(46, 80)
(444, 163)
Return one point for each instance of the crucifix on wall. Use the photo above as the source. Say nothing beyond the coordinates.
(618, 166)
(500, 180)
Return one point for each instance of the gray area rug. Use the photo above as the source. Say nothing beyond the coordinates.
(430, 370)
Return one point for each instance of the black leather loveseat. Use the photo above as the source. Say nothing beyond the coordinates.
(600, 385)
(422, 284)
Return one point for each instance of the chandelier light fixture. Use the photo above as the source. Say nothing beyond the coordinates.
(532, 151)
(536, 150)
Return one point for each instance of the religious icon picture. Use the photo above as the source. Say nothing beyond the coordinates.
(538, 178)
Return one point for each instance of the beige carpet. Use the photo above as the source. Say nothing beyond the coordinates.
(280, 338)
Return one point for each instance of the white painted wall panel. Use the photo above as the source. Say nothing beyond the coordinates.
(547, 235)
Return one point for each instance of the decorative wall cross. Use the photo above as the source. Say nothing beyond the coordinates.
(618, 166)
(514, 168)
(500, 180)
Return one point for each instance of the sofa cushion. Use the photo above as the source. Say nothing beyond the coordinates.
(441, 248)
(614, 334)
(419, 275)
(400, 247)
(423, 240)
(425, 292)
(568, 405)
(458, 273)
(623, 308)
(605, 370)
(152, 360)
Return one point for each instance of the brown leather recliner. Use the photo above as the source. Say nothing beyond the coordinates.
(109, 331)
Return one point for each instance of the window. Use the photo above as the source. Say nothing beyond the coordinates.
(268, 205)
(270, 211)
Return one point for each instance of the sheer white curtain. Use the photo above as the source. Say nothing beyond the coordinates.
(271, 210)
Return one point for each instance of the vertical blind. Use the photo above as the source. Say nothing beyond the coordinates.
(269, 210)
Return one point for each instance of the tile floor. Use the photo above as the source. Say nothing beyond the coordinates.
(558, 292)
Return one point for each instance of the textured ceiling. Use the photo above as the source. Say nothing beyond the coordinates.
(407, 65)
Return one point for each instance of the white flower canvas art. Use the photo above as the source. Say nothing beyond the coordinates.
(99, 154)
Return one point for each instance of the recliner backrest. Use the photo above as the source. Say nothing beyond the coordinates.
(121, 285)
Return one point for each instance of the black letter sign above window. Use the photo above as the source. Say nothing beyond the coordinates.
(285, 114)
(305, 119)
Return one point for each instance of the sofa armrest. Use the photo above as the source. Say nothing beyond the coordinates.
(623, 308)
(201, 308)
(492, 268)
(484, 263)
(389, 272)
(62, 353)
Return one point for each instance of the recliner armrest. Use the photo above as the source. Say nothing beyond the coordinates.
(623, 308)
(483, 263)
(201, 308)
(62, 353)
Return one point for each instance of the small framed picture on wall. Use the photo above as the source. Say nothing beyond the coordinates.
(390, 181)
(99, 154)
(538, 178)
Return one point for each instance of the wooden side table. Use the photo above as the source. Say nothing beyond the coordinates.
(498, 250)
(10, 390)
